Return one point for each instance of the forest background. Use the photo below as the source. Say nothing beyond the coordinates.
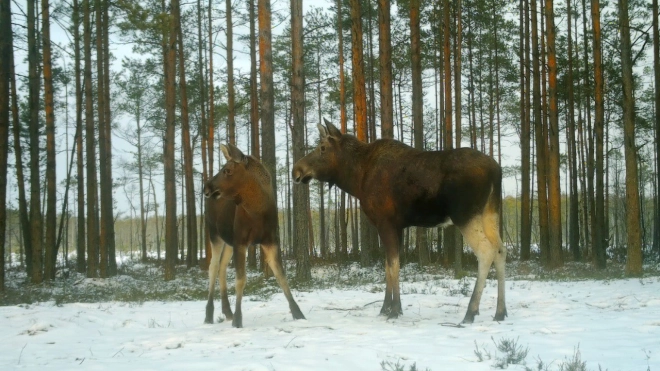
(112, 112)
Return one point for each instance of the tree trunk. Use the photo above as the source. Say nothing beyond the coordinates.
(80, 232)
(417, 109)
(191, 213)
(385, 58)
(634, 240)
(656, 70)
(525, 137)
(300, 191)
(5, 78)
(102, 133)
(107, 195)
(574, 217)
(267, 103)
(541, 142)
(171, 238)
(20, 178)
(231, 121)
(599, 243)
(554, 184)
(36, 230)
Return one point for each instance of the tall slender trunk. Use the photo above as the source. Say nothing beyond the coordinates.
(634, 235)
(102, 133)
(359, 90)
(191, 213)
(656, 72)
(231, 109)
(525, 136)
(254, 93)
(385, 58)
(300, 191)
(204, 133)
(599, 244)
(417, 108)
(554, 184)
(574, 222)
(5, 78)
(51, 180)
(539, 132)
(80, 231)
(36, 230)
(107, 195)
(211, 123)
(171, 231)
(343, 119)
(20, 178)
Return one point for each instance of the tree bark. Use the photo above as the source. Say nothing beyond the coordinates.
(343, 121)
(634, 235)
(267, 104)
(656, 71)
(574, 217)
(36, 230)
(80, 232)
(171, 238)
(51, 180)
(418, 109)
(102, 133)
(231, 109)
(191, 213)
(300, 191)
(525, 137)
(599, 245)
(554, 184)
(385, 58)
(5, 78)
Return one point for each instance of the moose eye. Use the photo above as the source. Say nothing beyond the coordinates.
(226, 172)
(322, 148)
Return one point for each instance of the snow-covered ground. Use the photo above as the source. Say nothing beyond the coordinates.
(615, 324)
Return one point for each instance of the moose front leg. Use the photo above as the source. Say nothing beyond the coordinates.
(391, 238)
(227, 252)
(240, 284)
(216, 251)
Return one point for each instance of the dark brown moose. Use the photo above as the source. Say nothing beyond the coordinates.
(241, 211)
(399, 187)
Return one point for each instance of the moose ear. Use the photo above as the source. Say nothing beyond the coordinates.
(232, 152)
(225, 152)
(323, 132)
(332, 130)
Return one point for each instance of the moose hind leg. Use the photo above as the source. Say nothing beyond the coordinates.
(227, 252)
(485, 252)
(240, 285)
(271, 254)
(500, 260)
(391, 238)
(216, 251)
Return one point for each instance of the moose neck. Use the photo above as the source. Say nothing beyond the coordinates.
(354, 155)
(254, 200)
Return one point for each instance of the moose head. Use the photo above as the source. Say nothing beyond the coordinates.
(322, 163)
(231, 176)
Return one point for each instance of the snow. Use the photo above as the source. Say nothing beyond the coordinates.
(615, 324)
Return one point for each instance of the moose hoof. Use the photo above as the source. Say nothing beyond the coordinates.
(499, 316)
(208, 320)
(469, 317)
(297, 314)
(237, 321)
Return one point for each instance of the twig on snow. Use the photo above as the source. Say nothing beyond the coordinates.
(21, 354)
